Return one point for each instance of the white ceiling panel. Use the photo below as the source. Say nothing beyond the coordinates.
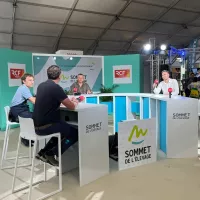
(101, 5)
(5, 38)
(34, 40)
(190, 31)
(191, 5)
(158, 2)
(41, 13)
(6, 25)
(60, 3)
(164, 28)
(36, 28)
(130, 24)
(88, 19)
(178, 16)
(107, 45)
(6, 46)
(118, 35)
(196, 22)
(146, 36)
(6, 9)
(81, 32)
(66, 43)
(177, 40)
(33, 49)
(142, 11)
(136, 47)
(105, 52)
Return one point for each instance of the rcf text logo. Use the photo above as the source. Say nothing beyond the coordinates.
(93, 127)
(125, 73)
(16, 73)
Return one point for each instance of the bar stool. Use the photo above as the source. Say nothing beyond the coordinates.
(6, 140)
(27, 131)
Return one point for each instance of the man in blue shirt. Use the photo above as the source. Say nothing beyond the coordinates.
(19, 105)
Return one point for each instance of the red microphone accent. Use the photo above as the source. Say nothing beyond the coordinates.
(156, 81)
(170, 90)
(81, 98)
(75, 90)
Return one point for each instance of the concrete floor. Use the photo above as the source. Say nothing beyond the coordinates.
(168, 179)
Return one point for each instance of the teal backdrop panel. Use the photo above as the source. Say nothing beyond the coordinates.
(7, 93)
(90, 67)
(137, 72)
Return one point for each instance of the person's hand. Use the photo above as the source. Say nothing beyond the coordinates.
(155, 85)
(73, 99)
(89, 92)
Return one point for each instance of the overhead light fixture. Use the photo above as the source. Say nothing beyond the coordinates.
(147, 47)
(163, 47)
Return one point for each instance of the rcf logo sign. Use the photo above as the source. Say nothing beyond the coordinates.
(125, 73)
(16, 73)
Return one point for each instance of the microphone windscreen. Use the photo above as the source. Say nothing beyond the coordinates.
(169, 89)
(156, 81)
(82, 98)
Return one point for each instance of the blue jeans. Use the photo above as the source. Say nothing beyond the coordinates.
(69, 136)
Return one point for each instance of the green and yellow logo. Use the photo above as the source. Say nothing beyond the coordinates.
(138, 133)
(63, 77)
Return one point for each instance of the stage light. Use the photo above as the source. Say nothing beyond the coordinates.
(54, 58)
(163, 47)
(147, 47)
(71, 58)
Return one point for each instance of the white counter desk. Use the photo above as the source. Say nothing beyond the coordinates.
(90, 154)
(176, 119)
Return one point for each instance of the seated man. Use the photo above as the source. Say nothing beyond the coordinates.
(46, 116)
(166, 84)
(19, 105)
(81, 86)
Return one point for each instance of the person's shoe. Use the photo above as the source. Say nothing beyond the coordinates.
(51, 160)
(41, 157)
(25, 142)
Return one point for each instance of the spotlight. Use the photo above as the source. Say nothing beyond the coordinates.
(147, 47)
(71, 58)
(54, 58)
(163, 47)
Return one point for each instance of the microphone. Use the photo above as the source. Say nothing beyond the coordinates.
(75, 90)
(170, 92)
(81, 98)
(156, 81)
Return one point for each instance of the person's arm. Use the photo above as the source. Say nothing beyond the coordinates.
(32, 100)
(189, 86)
(176, 88)
(157, 90)
(63, 98)
(27, 95)
(89, 91)
(69, 104)
(71, 91)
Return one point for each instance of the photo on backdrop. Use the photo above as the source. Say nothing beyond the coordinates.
(90, 67)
